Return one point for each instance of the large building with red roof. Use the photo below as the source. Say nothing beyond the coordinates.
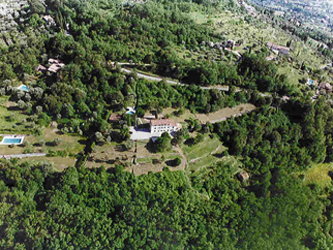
(164, 125)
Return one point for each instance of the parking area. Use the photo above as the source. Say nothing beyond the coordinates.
(142, 134)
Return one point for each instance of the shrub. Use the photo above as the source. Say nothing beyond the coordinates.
(56, 142)
(177, 161)
(28, 151)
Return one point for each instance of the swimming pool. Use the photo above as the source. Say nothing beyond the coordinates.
(310, 82)
(10, 140)
(130, 112)
(24, 88)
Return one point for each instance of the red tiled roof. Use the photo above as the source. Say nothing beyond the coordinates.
(277, 47)
(163, 122)
(244, 176)
(55, 61)
(54, 68)
(40, 68)
(114, 117)
(325, 85)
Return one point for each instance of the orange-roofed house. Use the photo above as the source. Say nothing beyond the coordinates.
(54, 61)
(276, 47)
(164, 125)
(41, 68)
(114, 118)
(56, 65)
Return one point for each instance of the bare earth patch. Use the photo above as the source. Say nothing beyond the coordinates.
(225, 113)
(9, 104)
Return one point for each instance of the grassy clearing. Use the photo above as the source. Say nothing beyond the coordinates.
(204, 148)
(69, 143)
(171, 111)
(293, 75)
(224, 113)
(60, 163)
(319, 174)
(11, 121)
(203, 118)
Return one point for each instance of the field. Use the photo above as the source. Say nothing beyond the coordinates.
(14, 122)
(60, 163)
(11, 120)
(181, 118)
(108, 155)
(256, 35)
(225, 113)
(69, 143)
(203, 154)
(211, 117)
(319, 174)
(293, 75)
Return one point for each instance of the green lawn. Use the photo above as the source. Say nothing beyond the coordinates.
(60, 163)
(204, 148)
(11, 121)
(69, 143)
(319, 174)
(293, 75)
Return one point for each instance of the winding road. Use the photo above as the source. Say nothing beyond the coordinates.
(173, 82)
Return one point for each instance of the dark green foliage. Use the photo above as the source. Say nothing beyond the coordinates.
(99, 209)
(177, 161)
(161, 144)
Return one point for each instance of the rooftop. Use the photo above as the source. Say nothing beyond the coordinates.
(55, 61)
(54, 68)
(163, 122)
(276, 46)
(114, 117)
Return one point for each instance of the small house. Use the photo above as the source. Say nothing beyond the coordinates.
(48, 19)
(275, 47)
(54, 68)
(325, 86)
(56, 65)
(54, 61)
(41, 68)
(114, 118)
(243, 176)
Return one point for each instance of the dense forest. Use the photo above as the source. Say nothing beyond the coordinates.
(81, 208)
(99, 209)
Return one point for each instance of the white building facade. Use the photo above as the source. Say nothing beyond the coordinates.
(164, 125)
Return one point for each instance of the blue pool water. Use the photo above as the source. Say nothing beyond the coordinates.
(12, 140)
(24, 88)
(130, 113)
